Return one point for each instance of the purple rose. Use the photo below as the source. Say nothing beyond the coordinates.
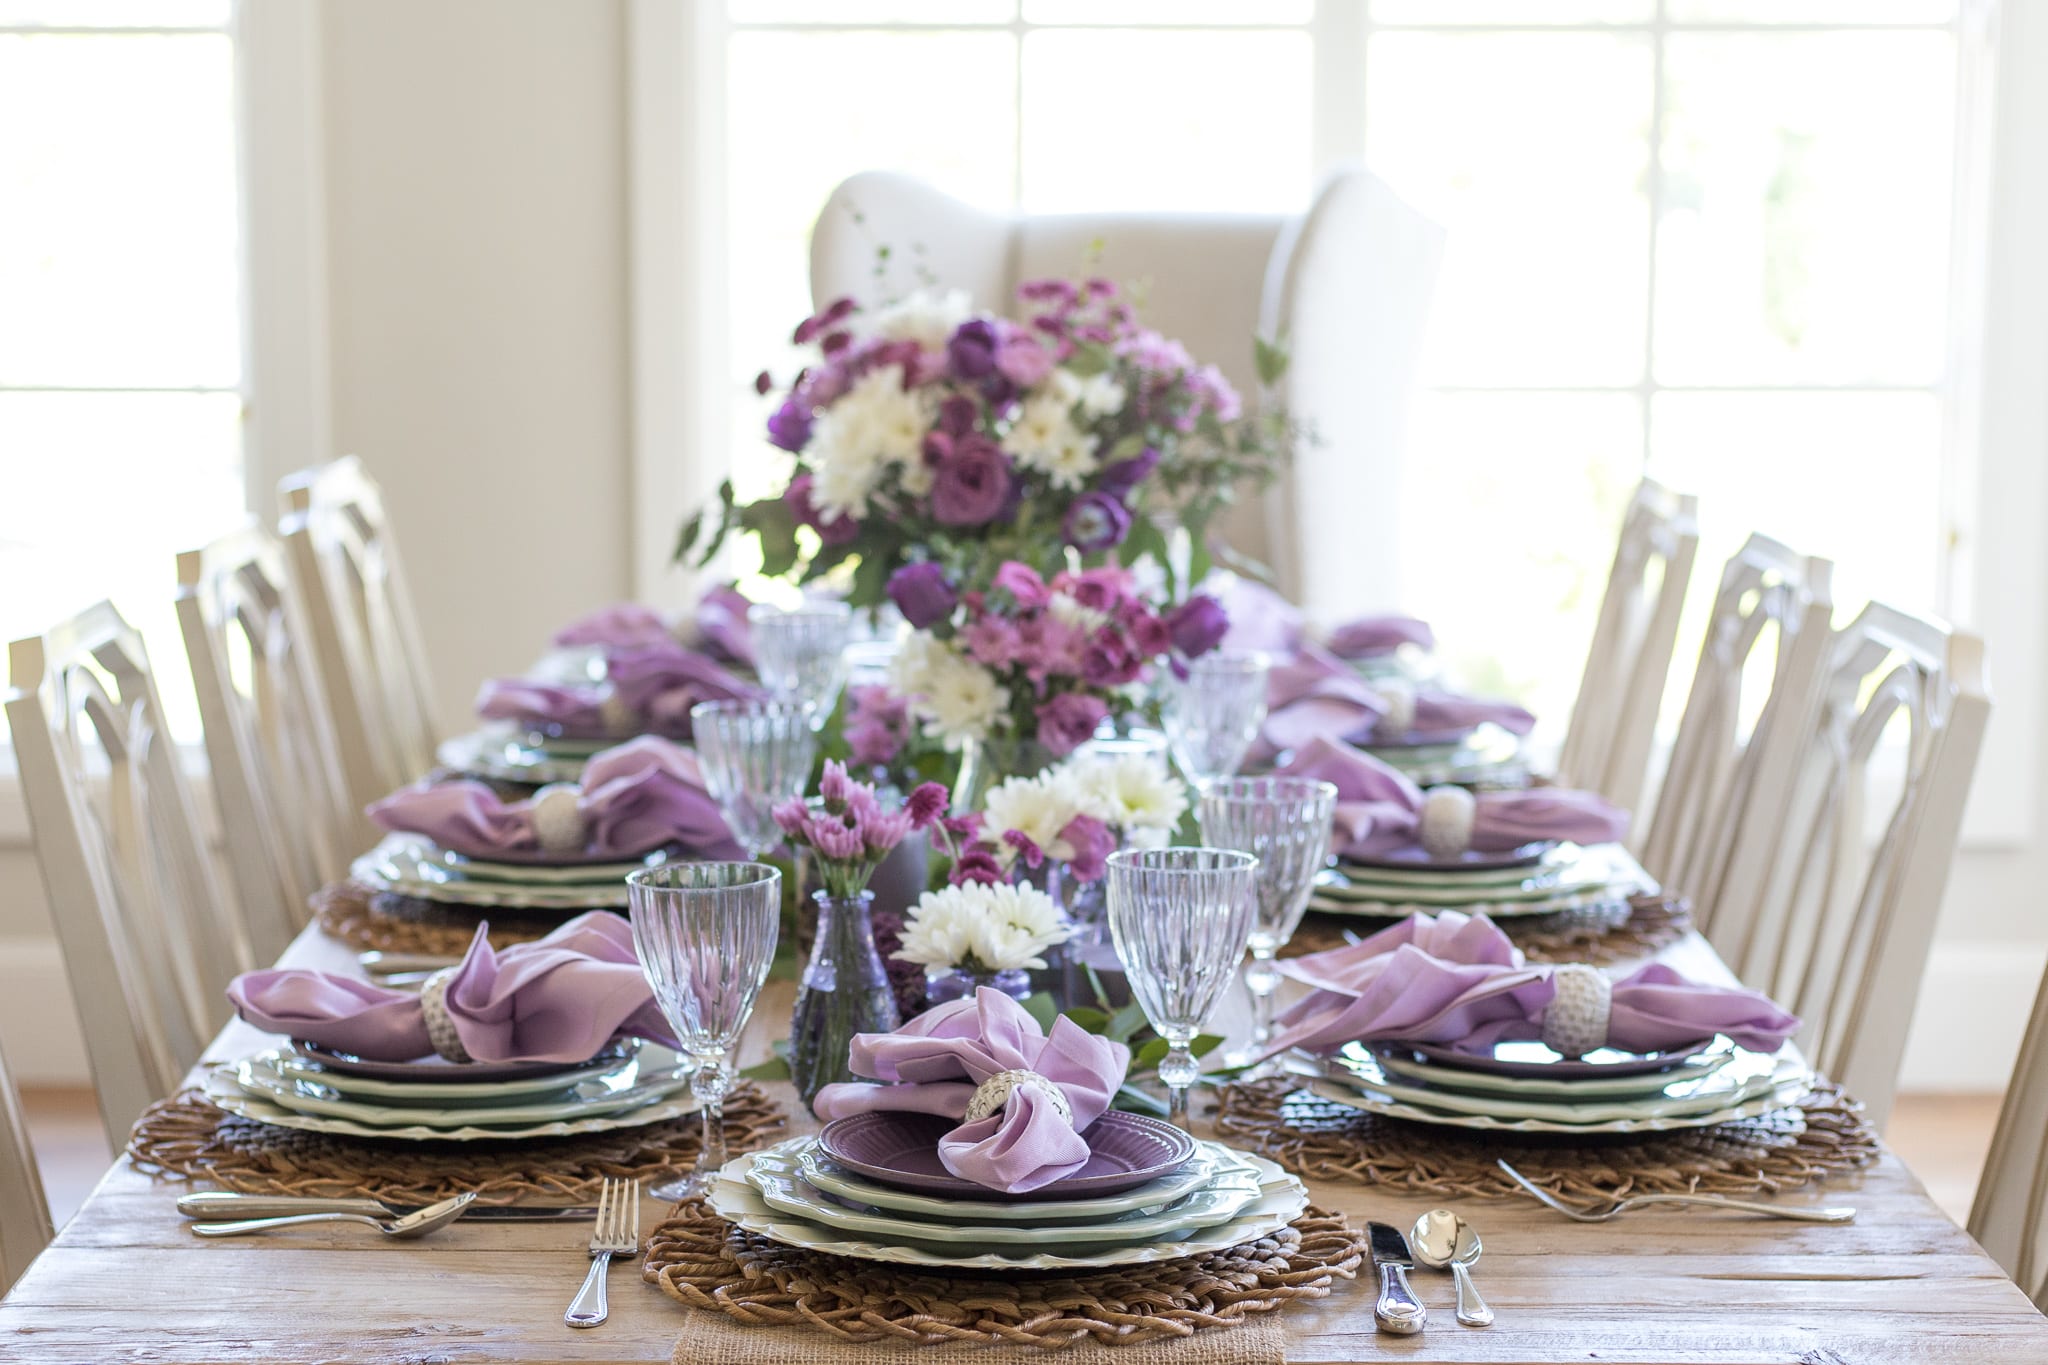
(1121, 479)
(1023, 361)
(836, 531)
(1198, 625)
(971, 352)
(971, 488)
(1068, 721)
(790, 428)
(1096, 522)
(922, 594)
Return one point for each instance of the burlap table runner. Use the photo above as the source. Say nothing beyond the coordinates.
(186, 1138)
(1322, 1140)
(1601, 938)
(369, 920)
(1172, 1312)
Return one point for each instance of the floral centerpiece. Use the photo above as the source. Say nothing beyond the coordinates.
(977, 933)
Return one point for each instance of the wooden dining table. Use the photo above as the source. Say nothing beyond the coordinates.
(127, 1280)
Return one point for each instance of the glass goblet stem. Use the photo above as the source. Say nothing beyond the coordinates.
(711, 1084)
(1261, 981)
(1177, 1071)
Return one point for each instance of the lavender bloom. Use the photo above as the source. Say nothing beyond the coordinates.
(1096, 522)
(790, 428)
(922, 594)
(1121, 479)
(971, 488)
(1197, 625)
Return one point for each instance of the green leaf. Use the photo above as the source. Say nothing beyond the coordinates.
(774, 525)
(1148, 1057)
(1042, 1007)
(1089, 1018)
(1270, 359)
(1132, 1100)
(774, 1069)
(1205, 1043)
(1125, 1023)
(870, 580)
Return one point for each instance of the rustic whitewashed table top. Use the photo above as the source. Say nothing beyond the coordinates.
(127, 1281)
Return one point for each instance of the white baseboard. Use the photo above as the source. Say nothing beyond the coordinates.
(1980, 993)
(38, 1025)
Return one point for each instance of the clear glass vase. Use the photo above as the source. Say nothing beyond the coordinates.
(985, 763)
(960, 983)
(845, 990)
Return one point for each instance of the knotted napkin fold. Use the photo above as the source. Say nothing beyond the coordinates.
(623, 625)
(1315, 694)
(1381, 813)
(1259, 618)
(634, 798)
(1457, 980)
(648, 689)
(720, 629)
(558, 999)
(1372, 637)
(940, 1060)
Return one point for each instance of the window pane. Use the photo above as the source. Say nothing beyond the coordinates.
(1805, 235)
(871, 11)
(1509, 506)
(116, 13)
(1123, 119)
(1813, 11)
(1531, 149)
(1855, 478)
(1266, 13)
(118, 243)
(1512, 11)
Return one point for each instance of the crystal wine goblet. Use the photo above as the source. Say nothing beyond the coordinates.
(1179, 918)
(801, 653)
(705, 933)
(755, 754)
(1212, 716)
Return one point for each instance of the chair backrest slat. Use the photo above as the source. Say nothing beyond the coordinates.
(2009, 1215)
(24, 1211)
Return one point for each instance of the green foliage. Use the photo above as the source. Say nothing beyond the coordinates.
(1270, 359)
(776, 1068)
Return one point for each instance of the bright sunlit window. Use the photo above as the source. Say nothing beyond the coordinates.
(120, 331)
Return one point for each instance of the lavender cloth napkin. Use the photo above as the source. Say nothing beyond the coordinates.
(648, 688)
(939, 1058)
(720, 629)
(1259, 618)
(635, 797)
(1379, 810)
(1316, 694)
(623, 625)
(1371, 637)
(558, 999)
(1457, 980)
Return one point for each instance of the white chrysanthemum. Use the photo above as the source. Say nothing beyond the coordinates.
(927, 317)
(1132, 792)
(1036, 807)
(1044, 437)
(848, 472)
(873, 425)
(960, 701)
(1097, 396)
(1068, 612)
(917, 657)
(984, 928)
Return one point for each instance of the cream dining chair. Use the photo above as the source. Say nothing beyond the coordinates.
(1839, 905)
(372, 665)
(1347, 284)
(24, 1211)
(2009, 1216)
(148, 936)
(269, 737)
(1614, 718)
(1756, 684)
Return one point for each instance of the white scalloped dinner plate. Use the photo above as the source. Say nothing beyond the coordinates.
(502, 753)
(304, 1066)
(1751, 1075)
(736, 1201)
(1784, 1097)
(411, 866)
(221, 1089)
(630, 1089)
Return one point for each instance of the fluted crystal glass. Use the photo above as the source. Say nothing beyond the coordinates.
(1179, 918)
(1284, 822)
(1213, 715)
(705, 934)
(800, 654)
(754, 755)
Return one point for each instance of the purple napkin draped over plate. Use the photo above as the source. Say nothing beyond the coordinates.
(1371, 637)
(940, 1058)
(1259, 618)
(722, 629)
(1457, 980)
(623, 625)
(635, 797)
(558, 999)
(1380, 811)
(648, 688)
(1314, 694)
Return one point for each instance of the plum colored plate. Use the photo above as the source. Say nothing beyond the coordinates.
(899, 1149)
(1417, 858)
(590, 864)
(440, 1069)
(1527, 1058)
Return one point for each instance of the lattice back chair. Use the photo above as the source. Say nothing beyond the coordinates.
(24, 1212)
(1722, 777)
(269, 734)
(150, 939)
(1841, 926)
(2009, 1216)
(1614, 719)
(366, 640)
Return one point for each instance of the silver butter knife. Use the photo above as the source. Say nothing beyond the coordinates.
(1398, 1310)
(228, 1204)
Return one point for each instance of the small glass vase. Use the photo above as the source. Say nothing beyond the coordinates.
(845, 990)
(986, 763)
(960, 983)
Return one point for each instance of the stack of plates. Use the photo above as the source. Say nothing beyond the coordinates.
(310, 1087)
(504, 752)
(1525, 1087)
(1483, 756)
(872, 1187)
(1536, 879)
(412, 865)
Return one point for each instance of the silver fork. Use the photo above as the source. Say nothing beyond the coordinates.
(617, 1234)
(1712, 1201)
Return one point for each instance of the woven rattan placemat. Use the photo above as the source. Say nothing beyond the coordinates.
(186, 1138)
(1323, 1140)
(1652, 922)
(369, 920)
(699, 1259)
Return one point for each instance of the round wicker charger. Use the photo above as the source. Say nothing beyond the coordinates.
(369, 920)
(1652, 922)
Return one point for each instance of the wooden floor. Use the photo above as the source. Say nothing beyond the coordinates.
(1942, 1138)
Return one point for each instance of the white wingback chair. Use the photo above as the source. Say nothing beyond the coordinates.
(1347, 284)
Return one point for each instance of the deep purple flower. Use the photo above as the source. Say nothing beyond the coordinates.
(790, 427)
(1198, 625)
(1121, 479)
(1108, 662)
(926, 804)
(973, 486)
(1101, 589)
(1027, 849)
(1092, 844)
(971, 351)
(1068, 721)
(763, 382)
(922, 594)
(976, 865)
(957, 415)
(1023, 361)
(1096, 522)
(836, 531)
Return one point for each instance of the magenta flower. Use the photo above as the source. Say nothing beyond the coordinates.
(1100, 589)
(836, 841)
(1148, 634)
(971, 488)
(1092, 843)
(1023, 582)
(835, 786)
(991, 642)
(792, 815)
(789, 427)
(926, 804)
(882, 833)
(922, 594)
(836, 531)
(1096, 522)
(1198, 625)
(1027, 849)
(976, 865)
(1023, 361)
(1110, 662)
(957, 416)
(1068, 721)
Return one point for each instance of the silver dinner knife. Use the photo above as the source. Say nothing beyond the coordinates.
(1398, 1310)
(228, 1204)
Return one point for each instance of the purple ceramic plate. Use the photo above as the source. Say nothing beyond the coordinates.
(1126, 1151)
(540, 858)
(1530, 1058)
(1416, 858)
(441, 1069)
(1419, 739)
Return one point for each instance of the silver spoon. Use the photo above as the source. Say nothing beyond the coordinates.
(1443, 1240)
(417, 1224)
